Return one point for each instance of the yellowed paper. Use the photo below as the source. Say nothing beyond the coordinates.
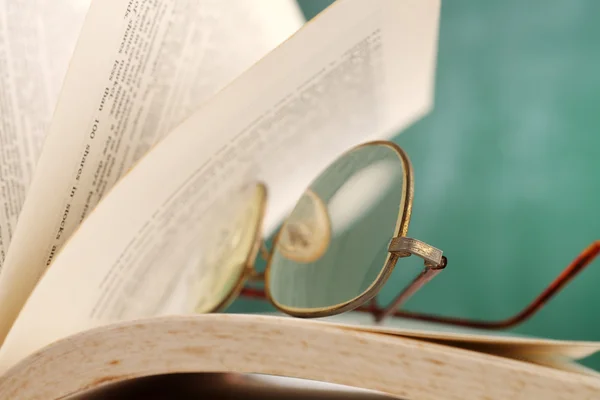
(557, 361)
(360, 70)
(405, 368)
(554, 353)
(139, 69)
(37, 38)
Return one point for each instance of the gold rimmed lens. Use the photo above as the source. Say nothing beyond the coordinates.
(197, 263)
(333, 246)
(228, 249)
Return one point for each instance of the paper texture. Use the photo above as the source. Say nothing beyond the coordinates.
(490, 341)
(360, 70)
(554, 353)
(37, 38)
(138, 70)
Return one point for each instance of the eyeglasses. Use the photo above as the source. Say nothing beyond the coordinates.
(337, 247)
(340, 244)
(379, 312)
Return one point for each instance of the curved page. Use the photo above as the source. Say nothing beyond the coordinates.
(37, 38)
(359, 70)
(139, 69)
(403, 367)
(478, 339)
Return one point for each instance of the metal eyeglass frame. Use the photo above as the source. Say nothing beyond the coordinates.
(403, 246)
(400, 246)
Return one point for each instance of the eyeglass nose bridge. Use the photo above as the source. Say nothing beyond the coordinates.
(403, 246)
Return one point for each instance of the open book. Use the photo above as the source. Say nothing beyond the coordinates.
(124, 122)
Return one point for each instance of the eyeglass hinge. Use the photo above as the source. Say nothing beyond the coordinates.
(403, 246)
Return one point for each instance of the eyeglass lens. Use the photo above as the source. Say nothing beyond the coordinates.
(333, 245)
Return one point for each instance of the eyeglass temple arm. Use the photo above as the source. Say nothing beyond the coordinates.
(434, 261)
(571, 271)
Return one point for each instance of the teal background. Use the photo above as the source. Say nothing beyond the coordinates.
(507, 165)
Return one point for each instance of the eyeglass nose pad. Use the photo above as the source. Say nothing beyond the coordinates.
(305, 235)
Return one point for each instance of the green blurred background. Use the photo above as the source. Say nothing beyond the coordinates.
(507, 165)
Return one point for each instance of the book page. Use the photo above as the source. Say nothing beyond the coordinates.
(499, 342)
(290, 347)
(557, 362)
(464, 336)
(37, 38)
(139, 68)
(555, 353)
(358, 71)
